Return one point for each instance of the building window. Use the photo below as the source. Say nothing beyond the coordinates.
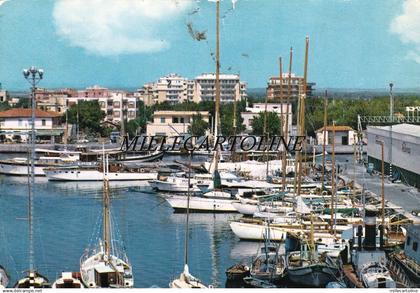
(44, 122)
(116, 113)
(116, 104)
(414, 245)
(162, 119)
(175, 120)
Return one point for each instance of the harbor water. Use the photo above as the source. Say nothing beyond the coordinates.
(67, 216)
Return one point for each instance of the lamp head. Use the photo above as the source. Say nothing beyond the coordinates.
(25, 73)
(41, 73)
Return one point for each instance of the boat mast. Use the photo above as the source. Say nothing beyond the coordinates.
(333, 180)
(324, 139)
(217, 84)
(106, 204)
(282, 130)
(301, 123)
(265, 135)
(188, 213)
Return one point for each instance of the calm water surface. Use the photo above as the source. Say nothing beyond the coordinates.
(67, 215)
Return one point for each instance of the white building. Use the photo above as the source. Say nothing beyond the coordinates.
(176, 89)
(344, 135)
(231, 88)
(173, 123)
(3, 95)
(282, 110)
(15, 125)
(116, 104)
(401, 151)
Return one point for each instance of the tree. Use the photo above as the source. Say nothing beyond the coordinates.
(4, 106)
(133, 126)
(226, 118)
(23, 103)
(90, 117)
(273, 124)
(198, 126)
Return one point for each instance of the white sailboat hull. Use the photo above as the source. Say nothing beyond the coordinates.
(166, 186)
(201, 204)
(95, 175)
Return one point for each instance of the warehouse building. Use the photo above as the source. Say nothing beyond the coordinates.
(401, 151)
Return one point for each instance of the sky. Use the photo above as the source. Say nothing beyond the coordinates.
(126, 43)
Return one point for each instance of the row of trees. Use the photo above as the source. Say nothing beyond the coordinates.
(344, 111)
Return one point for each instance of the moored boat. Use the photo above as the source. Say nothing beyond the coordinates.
(69, 280)
(4, 278)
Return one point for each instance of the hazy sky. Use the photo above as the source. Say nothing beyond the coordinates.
(125, 43)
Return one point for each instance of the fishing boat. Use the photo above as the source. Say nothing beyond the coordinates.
(46, 158)
(4, 278)
(376, 275)
(237, 272)
(118, 172)
(408, 260)
(185, 279)
(69, 280)
(269, 264)
(105, 266)
(258, 283)
(309, 268)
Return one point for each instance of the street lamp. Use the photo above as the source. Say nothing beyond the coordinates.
(33, 75)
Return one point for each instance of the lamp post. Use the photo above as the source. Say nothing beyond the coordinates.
(33, 75)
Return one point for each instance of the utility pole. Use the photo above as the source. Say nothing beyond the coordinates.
(391, 117)
(33, 75)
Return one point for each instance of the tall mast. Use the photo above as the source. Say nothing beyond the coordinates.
(188, 214)
(324, 138)
(301, 123)
(217, 84)
(106, 204)
(282, 131)
(333, 180)
(265, 135)
(288, 99)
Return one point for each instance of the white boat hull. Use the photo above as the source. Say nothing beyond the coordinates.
(201, 204)
(95, 175)
(20, 169)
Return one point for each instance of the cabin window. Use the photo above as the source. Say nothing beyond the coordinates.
(44, 122)
(175, 120)
(162, 119)
(408, 240)
(414, 245)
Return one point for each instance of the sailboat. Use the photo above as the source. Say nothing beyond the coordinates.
(4, 278)
(102, 267)
(185, 279)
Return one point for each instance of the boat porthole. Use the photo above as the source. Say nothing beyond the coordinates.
(127, 284)
(91, 285)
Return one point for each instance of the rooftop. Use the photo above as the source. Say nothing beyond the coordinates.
(27, 113)
(337, 128)
(404, 128)
(204, 113)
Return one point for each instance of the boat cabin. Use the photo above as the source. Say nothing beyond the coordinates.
(106, 277)
(411, 248)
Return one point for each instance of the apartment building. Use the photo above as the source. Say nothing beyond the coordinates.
(176, 89)
(231, 88)
(273, 87)
(54, 100)
(116, 104)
